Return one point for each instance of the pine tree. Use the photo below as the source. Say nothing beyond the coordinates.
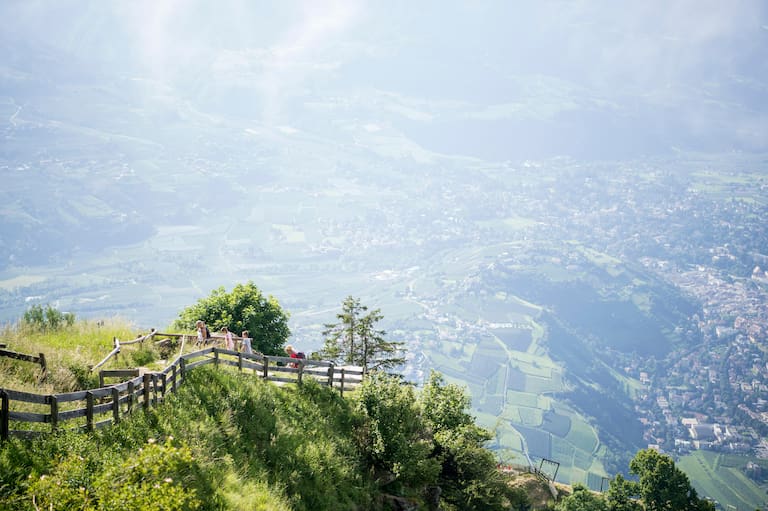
(354, 339)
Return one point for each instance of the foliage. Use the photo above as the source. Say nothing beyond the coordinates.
(662, 486)
(354, 339)
(70, 352)
(244, 308)
(468, 476)
(241, 443)
(47, 319)
(582, 499)
(143, 356)
(238, 443)
(392, 439)
(84, 377)
(445, 406)
(159, 477)
(621, 495)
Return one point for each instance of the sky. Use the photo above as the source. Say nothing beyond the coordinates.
(490, 79)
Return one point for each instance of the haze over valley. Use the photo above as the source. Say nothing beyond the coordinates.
(559, 205)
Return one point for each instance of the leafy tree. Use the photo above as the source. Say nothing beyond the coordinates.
(392, 438)
(245, 308)
(663, 486)
(620, 495)
(582, 499)
(46, 319)
(468, 478)
(354, 339)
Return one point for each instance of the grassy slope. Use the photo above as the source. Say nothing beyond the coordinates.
(255, 446)
(69, 354)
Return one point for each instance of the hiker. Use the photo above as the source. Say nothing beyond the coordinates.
(229, 341)
(293, 354)
(245, 343)
(203, 334)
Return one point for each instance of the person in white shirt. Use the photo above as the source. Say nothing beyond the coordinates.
(246, 343)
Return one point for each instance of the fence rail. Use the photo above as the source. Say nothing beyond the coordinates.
(40, 359)
(92, 409)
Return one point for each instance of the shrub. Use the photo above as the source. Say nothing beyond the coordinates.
(143, 356)
(46, 319)
(159, 477)
(85, 378)
(392, 436)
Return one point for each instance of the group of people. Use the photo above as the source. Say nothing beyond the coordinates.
(203, 334)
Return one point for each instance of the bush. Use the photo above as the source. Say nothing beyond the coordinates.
(46, 319)
(85, 378)
(160, 477)
(143, 356)
(392, 437)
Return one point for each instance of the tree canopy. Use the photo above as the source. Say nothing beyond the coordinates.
(244, 308)
(663, 486)
(582, 499)
(468, 476)
(429, 440)
(354, 339)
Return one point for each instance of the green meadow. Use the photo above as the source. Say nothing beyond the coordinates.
(721, 477)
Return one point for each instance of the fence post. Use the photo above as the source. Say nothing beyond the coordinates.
(330, 376)
(115, 405)
(240, 361)
(147, 378)
(175, 378)
(301, 370)
(183, 368)
(89, 410)
(154, 389)
(54, 412)
(215, 357)
(5, 415)
(266, 368)
(131, 393)
(342, 381)
(43, 367)
(163, 382)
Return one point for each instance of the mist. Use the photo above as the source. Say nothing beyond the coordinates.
(497, 80)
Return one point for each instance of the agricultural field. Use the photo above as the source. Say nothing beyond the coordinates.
(514, 388)
(722, 477)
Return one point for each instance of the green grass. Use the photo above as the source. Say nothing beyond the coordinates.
(224, 440)
(721, 478)
(70, 353)
(253, 445)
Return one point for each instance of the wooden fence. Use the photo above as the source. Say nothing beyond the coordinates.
(40, 359)
(88, 410)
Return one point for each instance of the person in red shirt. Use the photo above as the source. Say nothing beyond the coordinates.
(293, 354)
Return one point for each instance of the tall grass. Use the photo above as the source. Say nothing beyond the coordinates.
(70, 353)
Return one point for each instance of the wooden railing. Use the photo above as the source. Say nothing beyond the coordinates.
(40, 359)
(88, 410)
